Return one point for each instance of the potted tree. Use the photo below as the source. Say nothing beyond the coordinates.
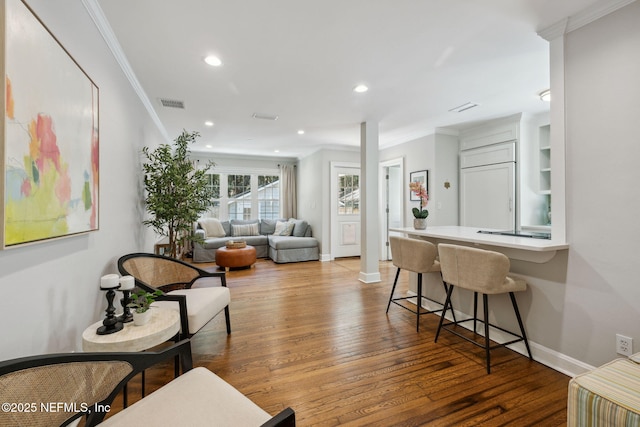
(141, 302)
(177, 192)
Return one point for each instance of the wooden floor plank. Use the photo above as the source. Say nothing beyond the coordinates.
(311, 336)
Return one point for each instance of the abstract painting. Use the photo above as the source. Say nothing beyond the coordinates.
(423, 178)
(50, 135)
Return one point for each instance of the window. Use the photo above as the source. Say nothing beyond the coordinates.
(214, 185)
(268, 196)
(239, 192)
(245, 196)
(348, 194)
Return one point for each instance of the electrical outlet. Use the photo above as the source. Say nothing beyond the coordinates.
(624, 345)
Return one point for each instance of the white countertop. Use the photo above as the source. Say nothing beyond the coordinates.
(515, 247)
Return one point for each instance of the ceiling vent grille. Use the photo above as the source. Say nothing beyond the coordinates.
(172, 103)
(464, 107)
(264, 117)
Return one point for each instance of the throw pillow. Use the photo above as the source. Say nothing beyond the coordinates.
(299, 227)
(212, 227)
(283, 228)
(268, 226)
(246, 229)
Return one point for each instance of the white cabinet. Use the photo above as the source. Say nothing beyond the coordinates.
(498, 131)
(487, 187)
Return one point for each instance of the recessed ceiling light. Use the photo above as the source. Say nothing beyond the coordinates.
(300, 132)
(209, 146)
(208, 123)
(360, 88)
(213, 60)
(545, 95)
(276, 151)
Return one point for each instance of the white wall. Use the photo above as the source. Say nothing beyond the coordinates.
(602, 292)
(314, 192)
(56, 282)
(437, 153)
(229, 163)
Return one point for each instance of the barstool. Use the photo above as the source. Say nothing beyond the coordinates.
(418, 256)
(484, 272)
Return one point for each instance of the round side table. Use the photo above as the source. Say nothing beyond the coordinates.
(163, 325)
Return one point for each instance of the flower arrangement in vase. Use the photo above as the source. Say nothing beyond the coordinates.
(420, 215)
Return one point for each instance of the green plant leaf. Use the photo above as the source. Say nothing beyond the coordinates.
(176, 191)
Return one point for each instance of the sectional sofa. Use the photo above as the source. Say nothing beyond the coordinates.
(281, 240)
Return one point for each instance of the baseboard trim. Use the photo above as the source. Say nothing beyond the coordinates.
(548, 357)
(325, 257)
(369, 277)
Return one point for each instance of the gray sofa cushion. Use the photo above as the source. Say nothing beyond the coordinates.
(290, 242)
(268, 226)
(218, 242)
(227, 227)
(299, 228)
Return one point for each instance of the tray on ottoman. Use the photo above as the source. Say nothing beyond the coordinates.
(236, 244)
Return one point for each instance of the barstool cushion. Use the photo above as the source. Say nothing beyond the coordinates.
(414, 255)
(478, 270)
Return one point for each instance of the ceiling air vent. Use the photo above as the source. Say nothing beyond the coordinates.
(464, 107)
(172, 103)
(264, 116)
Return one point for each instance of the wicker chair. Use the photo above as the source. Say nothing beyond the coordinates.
(58, 389)
(86, 382)
(197, 305)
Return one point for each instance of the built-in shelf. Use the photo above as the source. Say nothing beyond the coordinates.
(544, 159)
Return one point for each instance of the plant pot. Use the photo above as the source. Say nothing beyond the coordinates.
(140, 319)
(420, 223)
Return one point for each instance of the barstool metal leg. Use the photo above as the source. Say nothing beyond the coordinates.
(475, 311)
(419, 302)
(487, 351)
(446, 289)
(393, 288)
(447, 303)
(524, 334)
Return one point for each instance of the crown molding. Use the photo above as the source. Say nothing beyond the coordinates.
(103, 26)
(582, 18)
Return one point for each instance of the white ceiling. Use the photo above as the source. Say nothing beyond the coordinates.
(300, 59)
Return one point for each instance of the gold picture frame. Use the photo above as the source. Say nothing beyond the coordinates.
(50, 135)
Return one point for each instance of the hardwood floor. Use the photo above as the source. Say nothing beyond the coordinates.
(311, 336)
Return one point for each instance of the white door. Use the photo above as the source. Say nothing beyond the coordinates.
(345, 211)
(394, 204)
(487, 196)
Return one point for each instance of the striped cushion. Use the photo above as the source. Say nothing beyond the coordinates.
(246, 229)
(607, 396)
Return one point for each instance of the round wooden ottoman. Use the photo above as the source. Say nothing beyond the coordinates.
(235, 257)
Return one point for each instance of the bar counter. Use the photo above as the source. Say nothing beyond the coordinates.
(529, 249)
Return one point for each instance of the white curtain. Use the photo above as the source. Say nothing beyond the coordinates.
(288, 192)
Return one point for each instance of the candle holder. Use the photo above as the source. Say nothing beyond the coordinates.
(127, 316)
(127, 283)
(111, 323)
